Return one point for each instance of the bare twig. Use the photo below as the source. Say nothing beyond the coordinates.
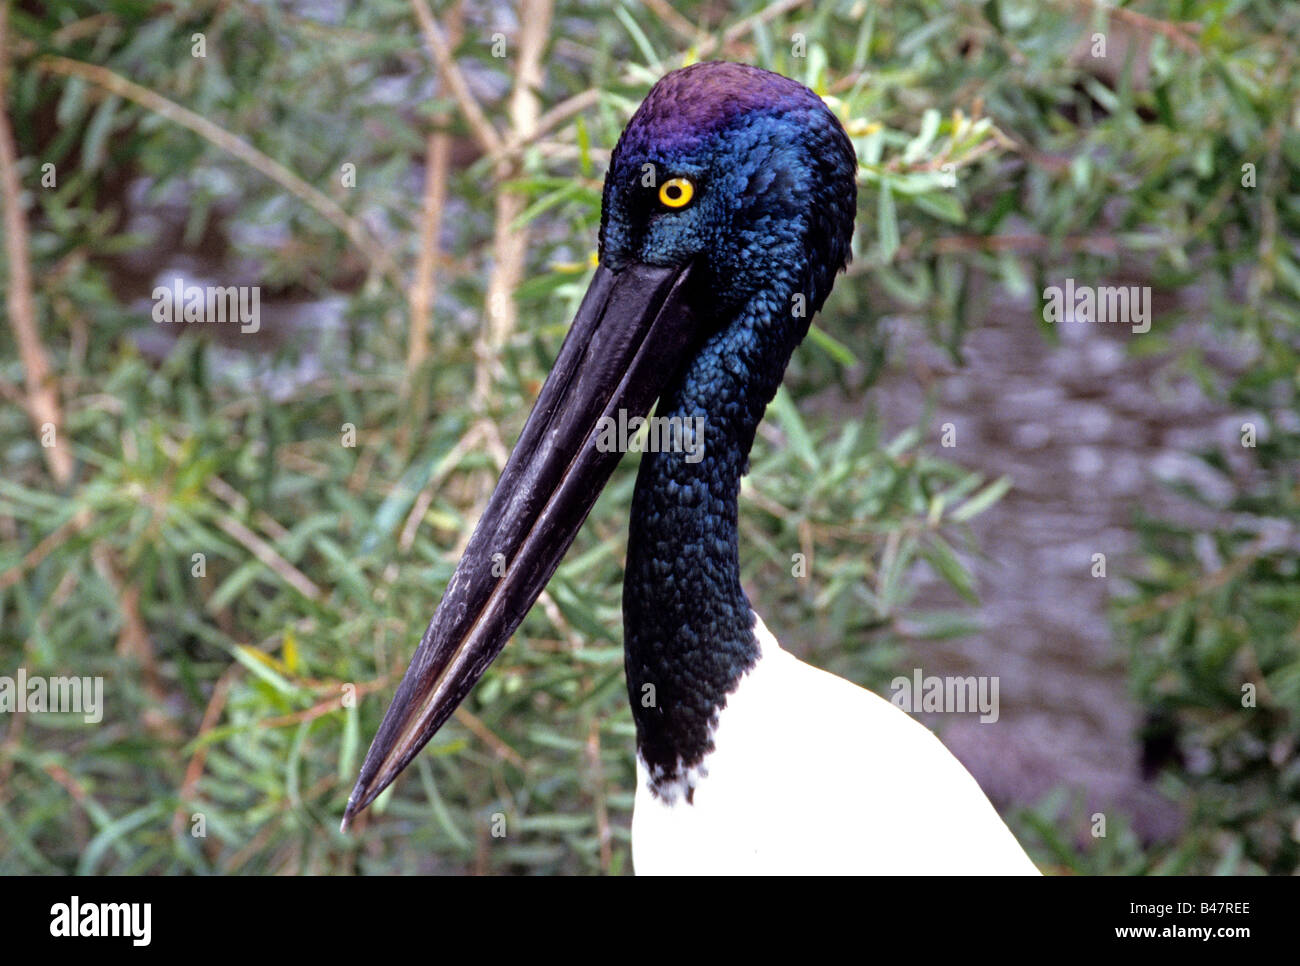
(561, 112)
(510, 244)
(424, 286)
(266, 553)
(1023, 244)
(742, 27)
(472, 438)
(194, 770)
(1096, 244)
(133, 642)
(42, 398)
(1201, 586)
(675, 22)
(489, 738)
(39, 552)
(482, 128)
(224, 491)
(329, 705)
(604, 837)
(1181, 34)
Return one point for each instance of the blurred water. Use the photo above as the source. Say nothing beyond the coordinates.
(1089, 433)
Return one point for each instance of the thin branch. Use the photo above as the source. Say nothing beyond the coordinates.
(1202, 585)
(482, 128)
(509, 243)
(596, 770)
(466, 444)
(266, 553)
(133, 642)
(1026, 244)
(675, 22)
(561, 112)
(742, 27)
(42, 399)
(51, 541)
(490, 738)
(424, 287)
(1181, 34)
(328, 706)
(194, 770)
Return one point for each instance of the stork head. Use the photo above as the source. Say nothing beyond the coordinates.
(730, 186)
(742, 172)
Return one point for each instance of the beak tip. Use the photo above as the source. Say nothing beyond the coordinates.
(356, 802)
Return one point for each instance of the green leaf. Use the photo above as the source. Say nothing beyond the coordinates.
(584, 146)
(887, 224)
(796, 433)
(917, 147)
(101, 125)
(834, 348)
(252, 659)
(947, 207)
(982, 500)
(945, 562)
(577, 612)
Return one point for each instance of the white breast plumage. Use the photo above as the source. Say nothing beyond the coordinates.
(812, 774)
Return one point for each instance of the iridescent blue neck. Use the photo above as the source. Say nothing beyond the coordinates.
(688, 626)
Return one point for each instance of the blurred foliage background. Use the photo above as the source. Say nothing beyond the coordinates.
(415, 188)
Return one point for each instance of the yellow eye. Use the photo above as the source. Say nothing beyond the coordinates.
(676, 193)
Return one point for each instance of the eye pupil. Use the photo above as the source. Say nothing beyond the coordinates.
(676, 193)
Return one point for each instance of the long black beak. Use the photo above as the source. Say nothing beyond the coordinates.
(631, 334)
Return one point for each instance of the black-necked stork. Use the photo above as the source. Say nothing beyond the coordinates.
(728, 210)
